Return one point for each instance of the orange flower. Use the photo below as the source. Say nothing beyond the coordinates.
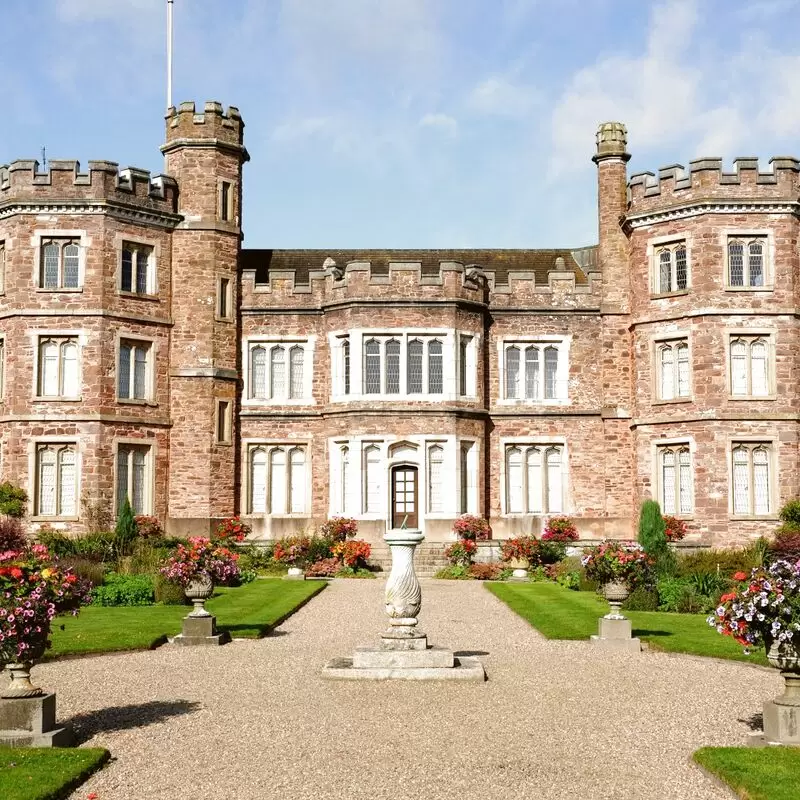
(740, 576)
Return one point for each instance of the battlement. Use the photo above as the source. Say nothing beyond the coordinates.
(705, 179)
(185, 124)
(63, 181)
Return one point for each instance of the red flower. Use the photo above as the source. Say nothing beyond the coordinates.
(15, 572)
(740, 576)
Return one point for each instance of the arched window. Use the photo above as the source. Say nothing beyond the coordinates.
(414, 367)
(346, 365)
(393, 366)
(258, 373)
(277, 388)
(535, 487)
(555, 493)
(296, 356)
(373, 480)
(532, 379)
(297, 480)
(57, 481)
(747, 263)
(258, 481)
(749, 366)
(673, 274)
(60, 264)
(512, 372)
(435, 367)
(752, 482)
(550, 373)
(435, 467)
(277, 481)
(514, 496)
(372, 367)
(59, 374)
(344, 479)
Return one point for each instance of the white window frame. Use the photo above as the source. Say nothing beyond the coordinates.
(672, 341)
(466, 368)
(38, 241)
(670, 244)
(562, 345)
(751, 444)
(123, 339)
(148, 490)
(767, 238)
(358, 337)
(524, 444)
(59, 445)
(61, 338)
(135, 247)
(675, 446)
(269, 343)
(749, 336)
(251, 447)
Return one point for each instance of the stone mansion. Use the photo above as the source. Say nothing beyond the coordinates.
(146, 353)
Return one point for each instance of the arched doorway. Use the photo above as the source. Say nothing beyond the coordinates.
(405, 496)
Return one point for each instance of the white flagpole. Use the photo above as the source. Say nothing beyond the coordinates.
(169, 53)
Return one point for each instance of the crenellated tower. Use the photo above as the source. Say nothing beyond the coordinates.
(204, 154)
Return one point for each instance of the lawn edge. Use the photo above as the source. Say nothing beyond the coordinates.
(322, 585)
(717, 779)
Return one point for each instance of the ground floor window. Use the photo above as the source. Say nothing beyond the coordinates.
(57, 480)
(675, 479)
(751, 478)
(133, 477)
(534, 479)
(278, 479)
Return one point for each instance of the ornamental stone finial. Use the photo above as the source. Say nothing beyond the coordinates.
(612, 141)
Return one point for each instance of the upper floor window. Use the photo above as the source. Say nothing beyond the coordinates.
(751, 478)
(750, 366)
(747, 262)
(534, 479)
(135, 370)
(278, 480)
(59, 370)
(424, 372)
(534, 371)
(60, 264)
(671, 271)
(225, 201)
(673, 369)
(675, 479)
(137, 270)
(56, 480)
(278, 371)
(2, 267)
(224, 298)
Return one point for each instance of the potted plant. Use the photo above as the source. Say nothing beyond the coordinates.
(196, 566)
(468, 526)
(518, 554)
(618, 567)
(33, 589)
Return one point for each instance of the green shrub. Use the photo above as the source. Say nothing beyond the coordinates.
(710, 584)
(168, 593)
(726, 561)
(12, 500)
(587, 584)
(652, 529)
(125, 530)
(681, 595)
(641, 599)
(789, 513)
(124, 590)
(548, 552)
(56, 542)
(256, 557)
(319, 548)
(569, 580)
(87, 570)
(456, 572)
(100, 546)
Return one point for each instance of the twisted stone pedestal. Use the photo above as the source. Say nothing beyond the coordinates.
(403, 651)
(31, 722)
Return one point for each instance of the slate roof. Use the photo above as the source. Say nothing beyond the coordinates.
(500, 262)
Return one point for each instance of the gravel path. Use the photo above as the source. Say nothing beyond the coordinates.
(255, 720)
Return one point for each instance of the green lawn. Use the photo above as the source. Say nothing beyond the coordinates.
(248, 611)
(769, 773)
(46, 773)
(560, 613)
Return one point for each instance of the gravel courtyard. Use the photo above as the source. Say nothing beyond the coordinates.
(254, 719)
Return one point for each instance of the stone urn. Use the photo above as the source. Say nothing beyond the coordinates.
(616, 592)
(520, 567)
(20, 672)
(198, 590)
(786, 658)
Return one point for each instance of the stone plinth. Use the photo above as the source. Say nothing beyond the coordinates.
(403, 651)
(294, 574)
(615, 634)
(200, 630)
(31, 722)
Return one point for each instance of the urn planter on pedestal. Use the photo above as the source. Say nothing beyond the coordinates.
(519, 567)
(782, 715)
(403, 651)
(27, 712)
(199, 626)
(614, 629)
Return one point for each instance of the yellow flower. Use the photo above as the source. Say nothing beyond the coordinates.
(46, 573)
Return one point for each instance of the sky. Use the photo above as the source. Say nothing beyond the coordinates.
(409, 123)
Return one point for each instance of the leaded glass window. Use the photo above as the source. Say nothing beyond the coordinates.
(296, 356)
(435, 467)
(135, 271)
(258, 372)
(512, 372)
(277, 387)
(534, 479)
(747, 263)
(532, 372)
(435, 367)
(258, 480)
(60, 264)
(750, 366)
(372, 367)
(751, 479)
(133, 370)
(672, 269)
(373, 479)
(675, 479)
(59, 368)
(415, 366)
(133, 479)
(673, 369)
(393, 366)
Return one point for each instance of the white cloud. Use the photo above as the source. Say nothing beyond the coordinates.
(500, 97)
(442, 122)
